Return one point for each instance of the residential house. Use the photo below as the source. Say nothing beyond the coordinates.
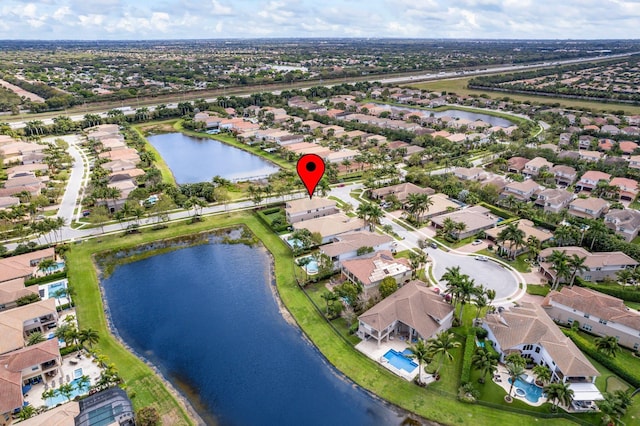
(627, 188)
(368, 272)
(125, 186)
(516, 164)
(589, 208)
(23, 265)
(628, 147)
(597, 313)
(610, 129)
(401, 191)
(17, 152)
(340, 156)
(111, 406)
(329, 227)
(472, 173)
(533, 167)
(441, 204)
(600, 265)
(309, 208)
(61, 415)
(12, 290)
(564, 175)
(634, 162)
(529, 230)
(475, 219)
(522, 191)
(414, 311)
(18, 323)
(590, 179)
(591, 156)
(584, 142)
(22, 368)
(346, 246)
(118, 166)
(565, 139)
(7, 202)
(554, 200)
(127, 154)
(605, 144)
(527, 330)
(624, 222)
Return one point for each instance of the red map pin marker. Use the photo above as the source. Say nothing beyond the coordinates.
(310, 169)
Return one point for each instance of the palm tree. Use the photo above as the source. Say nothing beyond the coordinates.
(49, 393)
(491, 295)
(452, 276)
(542, 373)
(484, 362)
(597, 230)
(441, 346)
(26, 412)
(65, 390)
(481, 302)
(35, 338)
(421, 352)
(560, 264)
(375, 214)
(466, 289)
(83, 382)
(559, 393)
(417, 205)
(611, 408)
(608, 345)
(515, 370)
(576, 264)
(459, 228)
(88, 335)
(416, 260)
(45, 264)
(515, 236)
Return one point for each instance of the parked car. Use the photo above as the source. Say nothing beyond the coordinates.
(482, 258)
(476, 243)
(433, 245)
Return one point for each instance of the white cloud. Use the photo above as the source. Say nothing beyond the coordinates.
(220, 9)
(61, 13)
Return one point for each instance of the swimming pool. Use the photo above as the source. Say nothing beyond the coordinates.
(60, 399)
(56, 267)
(77, 373)
(480, 343)
(399, 361)
(48, 291)
(311, 267)
(532, 393)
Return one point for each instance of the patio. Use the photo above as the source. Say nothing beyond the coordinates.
(72, 366)
(371, 349)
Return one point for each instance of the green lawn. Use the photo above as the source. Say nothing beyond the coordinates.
(634, 305)
(538, 290)
(230, 140)
(519, 264)
(140, 379)
(165, 171)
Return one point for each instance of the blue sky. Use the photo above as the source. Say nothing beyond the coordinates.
(166, 19)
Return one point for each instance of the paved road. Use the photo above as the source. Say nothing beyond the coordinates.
(75, 183)
(491, 274)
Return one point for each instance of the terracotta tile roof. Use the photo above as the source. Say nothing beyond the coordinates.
(12, 290)
(596, 176)
(20, 266)
(595, 303)
(529, 324)
(415, 305)
(30, 356)
(334, 224)
(12, 322)
(10, 390)
(62, 415)
(372, 269)
(352, 241)
(594, 260)
(402, 190)
(305, 204)
(517, 163)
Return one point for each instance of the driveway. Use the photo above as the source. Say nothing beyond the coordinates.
(490, 274)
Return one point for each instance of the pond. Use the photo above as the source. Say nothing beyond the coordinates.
(214, 329)
(194, 159)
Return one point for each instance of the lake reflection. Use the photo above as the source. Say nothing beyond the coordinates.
(212, 326)
(199, 159)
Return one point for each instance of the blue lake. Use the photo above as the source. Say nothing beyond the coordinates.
(199, 159)
(213, 327)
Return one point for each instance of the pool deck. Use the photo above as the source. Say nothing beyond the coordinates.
(70, 363)
(503, 381)
(371, 349)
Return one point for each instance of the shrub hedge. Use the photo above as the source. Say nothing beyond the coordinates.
(469, 347)
(612, 290)
(47, 278)
(631, 377)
